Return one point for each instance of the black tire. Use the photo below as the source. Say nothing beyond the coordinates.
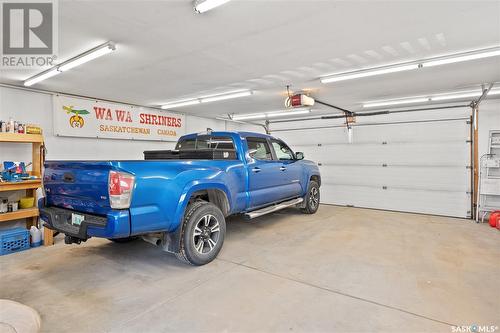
(124, 240)
(201, 241)
(312, 198)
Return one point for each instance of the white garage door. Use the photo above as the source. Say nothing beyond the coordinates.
(419, 166)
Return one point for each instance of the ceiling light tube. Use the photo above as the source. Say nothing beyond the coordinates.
(40, 77)
(271, 114)
(88, 56)
(205, 6)
(431, 62)
(287, 113)
(432, 98)
(455, 96)
(178, 104)
(207, 99)
(249, 116)
(368, 72)
(461, 57)
(71, 63)
(396, 102)
(459, 95)
(221, 97)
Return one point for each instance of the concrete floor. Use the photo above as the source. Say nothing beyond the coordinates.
(343, 269)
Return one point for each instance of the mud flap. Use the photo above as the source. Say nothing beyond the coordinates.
(171, 241)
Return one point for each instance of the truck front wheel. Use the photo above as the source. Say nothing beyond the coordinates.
(312, 198)
(203, 233)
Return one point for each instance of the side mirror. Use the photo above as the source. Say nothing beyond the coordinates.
(299, 155)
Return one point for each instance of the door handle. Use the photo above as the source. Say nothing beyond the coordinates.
(256, 170)
(282, 168)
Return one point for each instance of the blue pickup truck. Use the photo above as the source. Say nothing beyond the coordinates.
(179, 199)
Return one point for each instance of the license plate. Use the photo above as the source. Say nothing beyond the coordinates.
(77, 219)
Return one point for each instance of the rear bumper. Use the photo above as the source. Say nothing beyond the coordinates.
(116, 224)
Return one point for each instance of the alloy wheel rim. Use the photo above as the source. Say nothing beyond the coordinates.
(313, 198)
(206, 234)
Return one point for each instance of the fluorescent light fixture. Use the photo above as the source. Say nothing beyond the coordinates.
(250, 116)
(71, 63)
(368, 72)
(205, 6)
(431, 98)
(177, 104)
(207, 99)
(271, 114)
(42, 76)
(460, 95)
(396, 102)
(229, 95)
(456, 96)
(88, 56)
(463, 57)
(286, 113)
(407, 66)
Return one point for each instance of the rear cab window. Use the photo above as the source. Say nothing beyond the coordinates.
(206, 142)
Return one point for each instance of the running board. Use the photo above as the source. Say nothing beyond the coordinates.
(274, 208)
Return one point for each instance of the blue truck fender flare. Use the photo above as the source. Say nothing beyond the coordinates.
(173, 238)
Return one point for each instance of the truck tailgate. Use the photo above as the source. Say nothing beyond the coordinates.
(78, 185)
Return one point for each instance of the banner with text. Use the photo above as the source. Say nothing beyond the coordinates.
(81, 117)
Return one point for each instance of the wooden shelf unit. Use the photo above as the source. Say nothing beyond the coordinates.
(24, 185)
(29, 186)
(19, 214)
(17, 137)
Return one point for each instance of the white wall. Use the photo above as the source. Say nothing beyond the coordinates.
(33, 107)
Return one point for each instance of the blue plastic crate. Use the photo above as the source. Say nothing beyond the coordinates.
(14, 240)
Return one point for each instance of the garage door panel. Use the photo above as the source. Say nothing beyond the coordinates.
(321, 136)
(422, 132)
(421, 166)
(434, 178)
(402, 154)
(406, 132)
(427, 202)
(396, 154)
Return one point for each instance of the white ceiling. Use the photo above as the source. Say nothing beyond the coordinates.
(165, 51)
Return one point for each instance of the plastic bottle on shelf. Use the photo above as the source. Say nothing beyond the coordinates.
(11, 125)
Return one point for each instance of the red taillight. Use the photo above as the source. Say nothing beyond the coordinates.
(114, 183)
(120, 189)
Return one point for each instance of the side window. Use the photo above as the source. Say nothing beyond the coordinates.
(261, 147)
(282, 151)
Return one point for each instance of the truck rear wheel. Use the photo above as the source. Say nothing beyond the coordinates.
(203, 233)
(311, 199)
